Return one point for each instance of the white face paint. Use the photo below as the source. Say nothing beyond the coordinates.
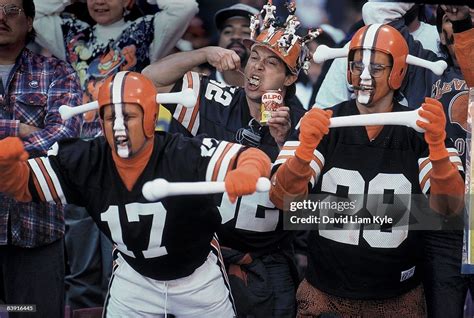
(364, 96)
(121, 137)
(120, 133)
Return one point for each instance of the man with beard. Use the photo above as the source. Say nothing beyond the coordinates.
(233, 24)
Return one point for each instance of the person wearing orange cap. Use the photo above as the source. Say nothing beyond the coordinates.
(446, 280)
(167, 259)
(258, 252)
(358, 266)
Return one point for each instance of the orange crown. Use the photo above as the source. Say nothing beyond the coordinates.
(283, 41)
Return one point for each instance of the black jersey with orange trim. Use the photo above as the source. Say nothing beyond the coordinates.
(163, 240)
(252, 224)
(368, 261)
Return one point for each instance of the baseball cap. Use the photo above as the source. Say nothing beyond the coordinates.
(237, 10)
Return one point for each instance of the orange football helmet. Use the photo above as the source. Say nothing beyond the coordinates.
(386, 39)
(131, 87)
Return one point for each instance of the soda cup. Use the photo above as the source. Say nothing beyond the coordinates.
(271, 100)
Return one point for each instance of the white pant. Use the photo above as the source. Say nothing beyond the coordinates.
(201, 294)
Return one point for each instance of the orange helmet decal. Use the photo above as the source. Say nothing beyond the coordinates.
(131, 87)
(386, 39)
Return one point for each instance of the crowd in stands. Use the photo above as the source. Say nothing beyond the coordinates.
(78, 236)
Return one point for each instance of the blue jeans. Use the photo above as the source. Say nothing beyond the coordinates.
(89, 260)
(282, 284)
(445, 286)
(34, 276)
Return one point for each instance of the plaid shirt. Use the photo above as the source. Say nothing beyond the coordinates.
(36, 87)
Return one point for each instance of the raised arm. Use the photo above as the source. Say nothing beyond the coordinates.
(291, 179)
(172, 68)
(447, 186)
(48, 26)
(335, 88)
(170, 24)
(251, 165)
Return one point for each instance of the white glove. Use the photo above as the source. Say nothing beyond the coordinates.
(384, 12)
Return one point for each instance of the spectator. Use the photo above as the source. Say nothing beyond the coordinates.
(32, 87)
(335, 90)
(96, 52)
(369, 269)
(445, 287)
(254, 239)
(165, 263)
(113, 44)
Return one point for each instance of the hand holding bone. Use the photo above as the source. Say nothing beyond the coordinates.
(160, 188)
(313, 126)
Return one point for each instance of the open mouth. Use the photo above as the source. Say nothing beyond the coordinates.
(101, 11)
(254, 81)
(365, 88)
(121, 141)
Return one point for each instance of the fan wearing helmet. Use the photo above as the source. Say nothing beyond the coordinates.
(121, 120)
(167, 240)
(356, 265)
(375, 51)
(445, 257)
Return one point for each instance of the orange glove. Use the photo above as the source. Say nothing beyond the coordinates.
(314, 125)
(12, 151)
(435, 134)
(251, 165)
(14, 173)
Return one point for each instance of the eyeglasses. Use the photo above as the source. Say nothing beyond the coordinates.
(10, 10)
(375, 70)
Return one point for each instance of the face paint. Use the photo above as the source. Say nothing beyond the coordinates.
(121, 138)
(366, 88)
